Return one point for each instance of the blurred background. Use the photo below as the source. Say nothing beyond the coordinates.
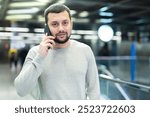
(118, 31)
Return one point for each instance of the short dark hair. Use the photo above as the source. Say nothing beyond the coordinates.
(56, 8)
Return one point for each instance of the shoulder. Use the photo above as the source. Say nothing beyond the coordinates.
(80, 45)
(82, 48)
(33, 50)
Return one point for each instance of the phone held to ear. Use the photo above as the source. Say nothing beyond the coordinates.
(47, 30)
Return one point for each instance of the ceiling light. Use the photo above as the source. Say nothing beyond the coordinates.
(90, 37)
(103, 9)
(41, 18)
(109, 14)
(105, 33)
(61, 1)
(88, 32)
(75, 36)
(18, 17)
(26, 4)
(22, 11)
(39, 30)
(83, 14)
(16, 29)
(44, 0)
(73, 12)
(103, 20)
(5, 34)
(83, 20)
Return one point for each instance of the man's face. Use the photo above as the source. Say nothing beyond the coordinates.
(60, 26)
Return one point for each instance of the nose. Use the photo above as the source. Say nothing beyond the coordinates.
(61, 28)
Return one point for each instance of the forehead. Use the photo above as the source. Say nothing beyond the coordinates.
(58, 16)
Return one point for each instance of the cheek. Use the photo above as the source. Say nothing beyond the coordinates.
(54, 31)
(69, 30)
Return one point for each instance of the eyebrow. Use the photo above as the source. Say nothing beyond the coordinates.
(62, 20)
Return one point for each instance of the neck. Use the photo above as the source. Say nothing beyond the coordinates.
(65, 45)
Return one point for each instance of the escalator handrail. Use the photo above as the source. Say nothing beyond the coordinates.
(133, 84)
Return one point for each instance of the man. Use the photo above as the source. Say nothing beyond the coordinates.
(59, 68)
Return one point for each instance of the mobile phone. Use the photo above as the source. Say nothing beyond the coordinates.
(47, 30)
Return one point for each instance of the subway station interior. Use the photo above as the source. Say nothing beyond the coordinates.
(121, 49)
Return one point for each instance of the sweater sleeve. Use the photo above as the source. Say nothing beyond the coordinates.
(92, 79)
(27, 79)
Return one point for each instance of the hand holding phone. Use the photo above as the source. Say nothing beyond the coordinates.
(47, 30)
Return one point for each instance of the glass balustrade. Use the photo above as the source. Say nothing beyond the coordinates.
(116, 79)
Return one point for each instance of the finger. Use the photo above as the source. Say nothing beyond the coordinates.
(50, 37)
(49, 41)
(49, 45)
(52, 42)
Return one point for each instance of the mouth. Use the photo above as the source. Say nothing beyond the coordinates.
(61, 35)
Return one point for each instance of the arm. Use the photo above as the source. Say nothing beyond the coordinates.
(28, 77)
(92, 79)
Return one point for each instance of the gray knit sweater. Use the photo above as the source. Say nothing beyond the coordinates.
(64, 74)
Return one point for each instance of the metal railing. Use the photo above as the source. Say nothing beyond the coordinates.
(126, 90)
(117, 80)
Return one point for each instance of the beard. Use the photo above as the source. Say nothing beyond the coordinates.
(57, 40)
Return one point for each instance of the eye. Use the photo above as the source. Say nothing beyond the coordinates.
(65, 23)
(54, 24)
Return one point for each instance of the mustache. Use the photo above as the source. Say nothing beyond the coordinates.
(61, 33)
